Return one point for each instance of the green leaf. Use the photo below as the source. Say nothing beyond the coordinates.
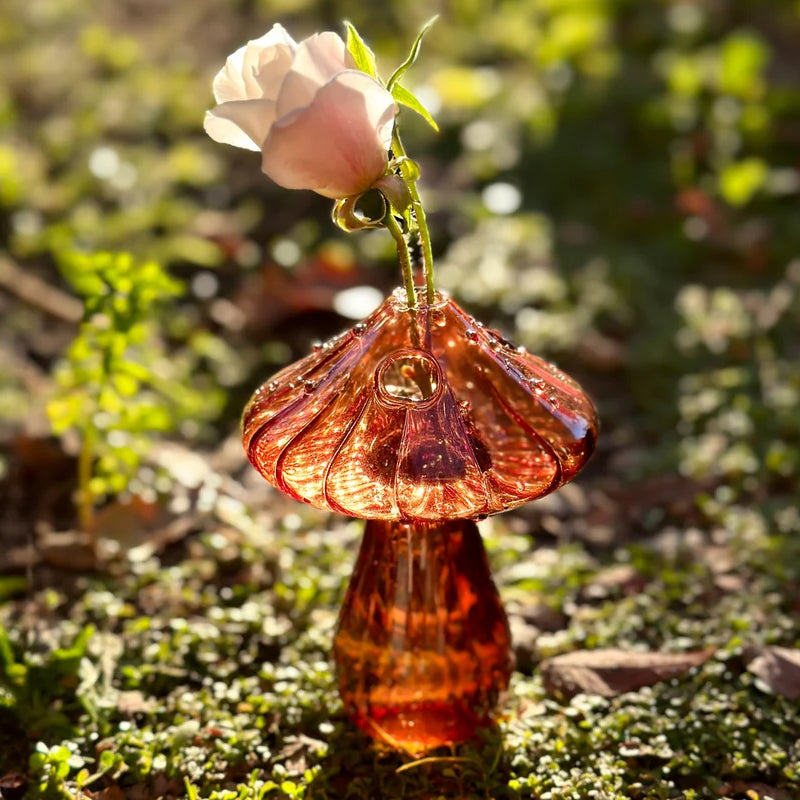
(412, 56)
(358, 48)
(743, 58)
(407, 98)
(77, 649)
(126, 385)
(37, 761)
(135, 370)
(9, 586)
(741, 180)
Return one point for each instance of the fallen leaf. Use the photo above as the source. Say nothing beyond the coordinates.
(623, 578)
(613, 672)
(544, 617)
(134, 702)
(753, 791)
(36, 488)
(112, 792)
(524, 637)
(123, 525)
(13, 786)
(778, 668)
(158, 786)
(729, 583)
(68, 550)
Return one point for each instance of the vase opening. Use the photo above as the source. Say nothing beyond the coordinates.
(408, 377)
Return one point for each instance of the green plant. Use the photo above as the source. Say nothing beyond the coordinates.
(111, 392)
(30, 684)
(51, 766)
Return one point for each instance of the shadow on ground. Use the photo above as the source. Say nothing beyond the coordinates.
(355, 767)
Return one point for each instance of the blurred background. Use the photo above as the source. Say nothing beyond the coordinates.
(614, 185)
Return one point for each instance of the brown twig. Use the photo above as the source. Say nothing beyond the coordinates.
(36, 292)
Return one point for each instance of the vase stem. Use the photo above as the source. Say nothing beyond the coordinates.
(422, 647)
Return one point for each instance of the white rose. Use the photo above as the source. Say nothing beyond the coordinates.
(320, 123)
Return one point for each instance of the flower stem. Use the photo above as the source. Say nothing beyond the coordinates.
(422, 224)
(420, 375)
(404, 256)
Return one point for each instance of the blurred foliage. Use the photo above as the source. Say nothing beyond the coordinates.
(739, 422)
(116, 386)
(615, 186)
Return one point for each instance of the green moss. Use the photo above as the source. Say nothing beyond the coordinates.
(230, 689)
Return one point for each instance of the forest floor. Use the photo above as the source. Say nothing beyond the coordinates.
(195, 661)
(614, 187)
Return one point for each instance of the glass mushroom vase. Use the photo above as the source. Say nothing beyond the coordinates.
(420, 421)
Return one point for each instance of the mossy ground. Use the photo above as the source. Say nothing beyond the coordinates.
(615, 187)
(207, 671)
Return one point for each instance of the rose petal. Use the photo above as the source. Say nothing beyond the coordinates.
(228, 82)
(271, 71)
(237, 79)
(316, 60)
(337, 146)
(241, 123)
(266, 62)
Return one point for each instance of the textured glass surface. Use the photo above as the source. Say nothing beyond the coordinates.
(422, 649)
(420, 415)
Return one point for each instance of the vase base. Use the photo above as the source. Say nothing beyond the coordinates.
(422, 648)
(421, 728)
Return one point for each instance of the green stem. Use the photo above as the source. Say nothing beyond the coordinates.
(404, 256)
(85, 461)
(422, 224)
(420, 376)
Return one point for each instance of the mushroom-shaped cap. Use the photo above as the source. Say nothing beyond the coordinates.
(419, 415)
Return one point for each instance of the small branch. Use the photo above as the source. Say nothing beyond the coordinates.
(37, 293)
(85, 499)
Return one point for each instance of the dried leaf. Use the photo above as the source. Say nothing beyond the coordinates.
(13, 786)
(67, 550)
(158, 786)
(753, 791)
(613, 672)
(544, 617)
(622, 578)
(112, 792)
(134, 702)
(778, 668)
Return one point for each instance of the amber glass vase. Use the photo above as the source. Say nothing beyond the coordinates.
(420, 420)
(422, 648)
